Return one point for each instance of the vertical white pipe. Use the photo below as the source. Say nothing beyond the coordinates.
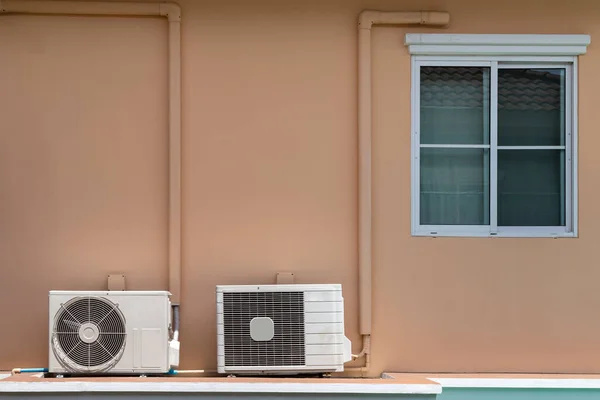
(367, 19)
(364, 179)
(175, 160)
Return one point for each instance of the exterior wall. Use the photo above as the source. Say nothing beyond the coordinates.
(270, 181)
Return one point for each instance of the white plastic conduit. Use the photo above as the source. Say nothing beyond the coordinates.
(366, 21)
(173, 13)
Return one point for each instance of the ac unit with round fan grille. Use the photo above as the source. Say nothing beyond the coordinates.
(120, 332)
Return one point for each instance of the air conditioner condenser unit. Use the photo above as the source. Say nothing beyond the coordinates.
(111, 332)
(281, 329)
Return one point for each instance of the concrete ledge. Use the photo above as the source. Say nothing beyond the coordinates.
(405, 385)
(519, 383)
(510, 381)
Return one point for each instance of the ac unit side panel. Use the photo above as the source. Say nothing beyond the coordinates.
(148, 322)
(324, 328)
(323, 306)
(324, 349)
(322, 296)
(333, 360)
(324, 318)
(320, 339)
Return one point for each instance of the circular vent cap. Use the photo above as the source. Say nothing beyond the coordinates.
(89, 334)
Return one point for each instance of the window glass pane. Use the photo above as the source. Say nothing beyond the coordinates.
(531, 107)
(455, 105)
(454, 186)
(531, 188)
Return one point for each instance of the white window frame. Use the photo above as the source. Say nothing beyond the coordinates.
(494, 52)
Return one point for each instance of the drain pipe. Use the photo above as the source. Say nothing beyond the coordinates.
(176, 322)
(172, 12)
(366, 21)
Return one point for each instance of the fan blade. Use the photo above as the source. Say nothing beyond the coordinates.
(73, 324)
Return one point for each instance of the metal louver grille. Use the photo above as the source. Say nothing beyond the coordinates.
(89, 334)
(286, 309)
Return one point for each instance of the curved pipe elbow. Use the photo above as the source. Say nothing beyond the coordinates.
(367, 18)
(170, 10)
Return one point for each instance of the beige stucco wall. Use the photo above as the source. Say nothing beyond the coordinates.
(270, 181)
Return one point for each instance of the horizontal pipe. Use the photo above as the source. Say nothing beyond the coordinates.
(169, 10)
(369, 18)
(79, 8)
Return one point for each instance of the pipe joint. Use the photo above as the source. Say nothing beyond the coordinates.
(368, 18)
(170, 10)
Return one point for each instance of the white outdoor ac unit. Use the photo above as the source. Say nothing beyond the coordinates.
(281, 329)
(120, 332)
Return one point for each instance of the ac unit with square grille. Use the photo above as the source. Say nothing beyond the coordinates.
(281, 329)
(111, 332)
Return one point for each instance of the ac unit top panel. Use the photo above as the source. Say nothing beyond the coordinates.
(280, 288)
(109, 293)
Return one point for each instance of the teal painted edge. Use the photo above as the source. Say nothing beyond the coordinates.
(518, 394)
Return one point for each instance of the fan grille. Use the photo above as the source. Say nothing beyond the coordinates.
(89, 334)
(286, 309)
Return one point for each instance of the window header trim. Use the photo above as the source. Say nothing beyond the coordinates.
(496, 45)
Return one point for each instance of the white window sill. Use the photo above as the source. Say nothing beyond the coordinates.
(508, 233)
